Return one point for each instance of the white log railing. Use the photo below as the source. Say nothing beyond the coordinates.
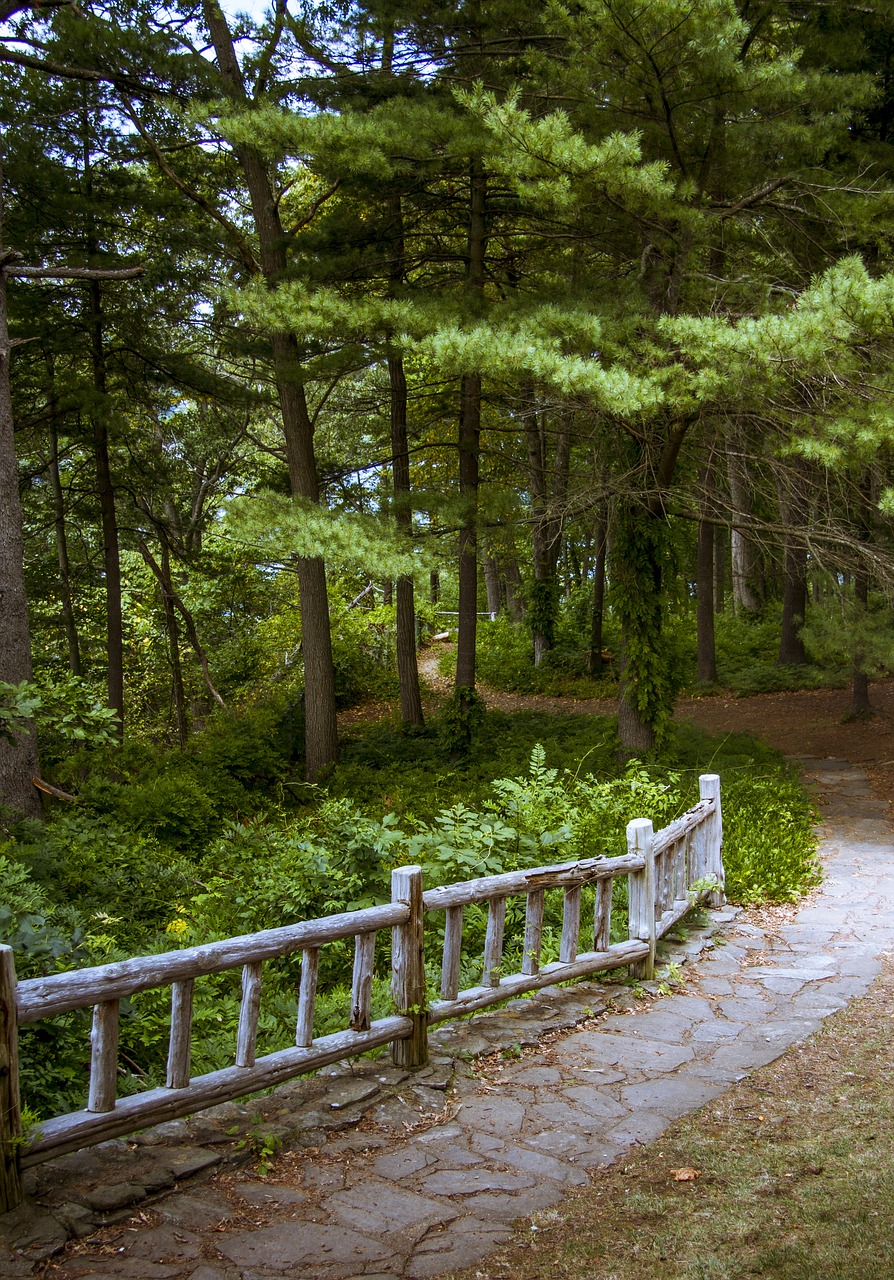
(667, 873)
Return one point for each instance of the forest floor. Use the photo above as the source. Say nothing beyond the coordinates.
(804, 722)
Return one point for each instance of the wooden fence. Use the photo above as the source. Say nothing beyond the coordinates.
(667, 873)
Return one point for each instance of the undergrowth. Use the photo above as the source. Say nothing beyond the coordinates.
(109, 881)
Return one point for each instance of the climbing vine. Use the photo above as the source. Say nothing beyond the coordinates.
(641, 560)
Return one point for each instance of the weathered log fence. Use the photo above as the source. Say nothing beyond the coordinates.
(667, 873)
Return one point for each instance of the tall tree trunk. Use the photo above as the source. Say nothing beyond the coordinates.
(105, 491)
(719, 568)
(707, 655)
(515, 595)
(794, 583)
(65, 597)
(547, 528)
(492, 584)
(706, 652)
(434, 587)
(321, 730)
(744, 556)
(469, 438)
(861, 708)
(111, 555)
(173, 629)
(597, 613)
(470, 442)
(18, 759)
(407, 665)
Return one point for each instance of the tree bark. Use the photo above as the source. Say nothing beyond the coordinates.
(794, 584)
(18, 760)
(321, 730)
(706, 652)
(492, 584)
(469, 442)
(515, 599)
(861, 707)
(65, 597)
(547, 528)
(719, 568)
(173, 630)
(111, 555)
(744, 557)
(407, 665)
(597, 614)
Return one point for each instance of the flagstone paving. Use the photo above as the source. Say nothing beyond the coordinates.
(389, 1176)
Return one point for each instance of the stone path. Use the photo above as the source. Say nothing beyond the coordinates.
(398, 1177)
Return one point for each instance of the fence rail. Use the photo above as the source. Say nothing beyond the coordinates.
(667, 873)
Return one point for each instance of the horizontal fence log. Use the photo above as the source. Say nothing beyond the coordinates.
(680, 827)
(83, 1128)
(38, 998)
(562, 875)
(616, 957)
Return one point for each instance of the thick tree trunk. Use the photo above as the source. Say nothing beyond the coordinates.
(65, 597)
(719, 568)
(321, 731)
(18, 759)
(794, 606)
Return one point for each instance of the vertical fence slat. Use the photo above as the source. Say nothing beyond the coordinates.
(709, 789)
(641, 894)
(180, 1043)
(533, 933)
(602, 915)
(493, 943)
(307, 996)
(453, 945)
(362, 981)
(408, 968)
(570, 925)
(249, 1013)
(10, 1107)
(681, 862)
(103, 1057)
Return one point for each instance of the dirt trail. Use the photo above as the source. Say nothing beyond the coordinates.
(804, 722)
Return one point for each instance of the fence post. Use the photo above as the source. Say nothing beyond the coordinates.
(709, 789)
(408, 968)
(641, 895)
(10, 1109)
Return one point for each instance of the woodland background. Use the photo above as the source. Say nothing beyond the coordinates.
(323, 331)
